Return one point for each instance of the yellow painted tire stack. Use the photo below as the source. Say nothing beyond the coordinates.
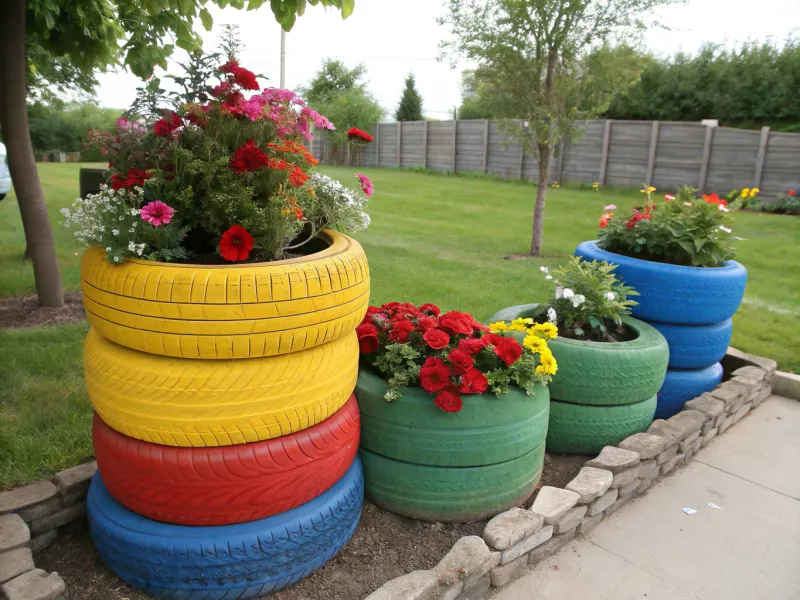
(204, 357)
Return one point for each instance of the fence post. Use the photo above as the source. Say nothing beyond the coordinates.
(455, 143)
(762, 155)
(399, 143)
(485, 145)
(521, 149)
(604, 156)
(378, 145)
(701, 184)
(562, 150)
(651, 158)
(425, 145)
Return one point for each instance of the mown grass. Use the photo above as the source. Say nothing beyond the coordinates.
(432, 239)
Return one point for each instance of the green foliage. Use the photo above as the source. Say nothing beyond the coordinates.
(751, 84)
(589, 300)
(785, 204)
(53, 77)
(685, 231)
(410, 108)
(63, 126)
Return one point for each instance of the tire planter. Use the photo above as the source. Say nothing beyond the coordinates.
(580, 429)
(680, 386)
(228, 311)
(462, 494)
(233, 484)
(676, 294)
(246, 560)
(488, 430)
(179, 402)
(696, 346)
(603, 373)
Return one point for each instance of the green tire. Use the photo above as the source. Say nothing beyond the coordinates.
(604, 373)
(487, 430)
(461, 494)
(579, 429)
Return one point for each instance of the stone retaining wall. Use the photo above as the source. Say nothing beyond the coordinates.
(517, 538)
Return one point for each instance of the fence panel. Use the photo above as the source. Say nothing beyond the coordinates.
(781, 165)
(471, 145)
(679, 155)
(440, 145)
(412, 150)
(582, 157)
(505, 157)
(627, 153)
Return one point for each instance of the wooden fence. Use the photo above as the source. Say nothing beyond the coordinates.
(619, 153)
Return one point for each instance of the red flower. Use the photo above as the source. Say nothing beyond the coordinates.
(220, 90)
(297, 177)
(436, 338)
(374, 310)
(230, 67)
(434, 376)
(461, 361)
(236, 244)
(493, 338)
(136, 177)
(456, 322)
(472, 345)
(400, 331)
(473, 382)
(603, 222)
(431, 308)
(425, 323)
(448, 401)
(245, 78)
(233, 99)
(118, 182)
(509, 351)
(635, 218)
(248, 158)
(355, 133)
(792, 193)
(367, 338)
(165, 127)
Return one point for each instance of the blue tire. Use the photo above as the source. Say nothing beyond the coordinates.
(680, 386)
(696, 346)
(229, 562)
(676, 294)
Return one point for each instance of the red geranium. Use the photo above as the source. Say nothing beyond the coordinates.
(457, 322)
(248, 158)
(434, 375)
(164, 127)
(230, 67)
(367, 338)
(792, 193)
(118, 182)
(509, 350)
(246, 79)
(137, 177)
(460, 360)
(220, 90)
(473, 382)
(714, 199)
(355, 133)
(400, 330)
(297, 177)
(436, 338)
(635, 218)
(426, 323)
(431, 308)
(472, 345)
(235, 244)
(449, 401)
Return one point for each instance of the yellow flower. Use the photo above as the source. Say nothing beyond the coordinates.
(498, 327)
(547, 363)
(754, 191)
(519, 324)
(535, 344)
(311, 192)
(745, 192)
(548, 329)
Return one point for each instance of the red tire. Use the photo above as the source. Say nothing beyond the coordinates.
(227, 484)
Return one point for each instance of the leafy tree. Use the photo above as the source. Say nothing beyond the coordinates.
(341, 95)
(86, 35)
(63, 126)
(480, 101)
(410, 108)
(549, 58)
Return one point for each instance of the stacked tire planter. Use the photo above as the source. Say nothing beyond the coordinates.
(226, 429)
(427, 464)
(692, 307)
(603, 391)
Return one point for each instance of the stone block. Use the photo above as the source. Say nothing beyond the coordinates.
(478, 590)
(742, 412)
(511, 526)
(43, 540)
(35, 585)
(526, 545)
(590, 484)
(62, 517)
(468, 560)
(570, 520)
(762, 393)
(602, 503)
(553, 545)
(718, 421)
(750, 372)
(737, 359)
(552, 503)
(629, 489)
(625, 477)
(74, 482)
(661, 428)
(648, 468)
(667, 454)
(505, 574)
(589, 523)
(726, 424)
(729, 392)
(43, 509)
(688, 442)
(709, 436)
(708, 426)
(417, 585)
(614, 459)
(452, 592)
(749, 383)
(618, 504)
(671, 463)
(706, 404)
(645, 484)
(14, 563)
(14, 533)
(698, 443)
(26, 495)
(786, 385)
(687, 422)
(646, 445)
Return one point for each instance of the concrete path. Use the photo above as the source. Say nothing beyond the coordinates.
(747, 549)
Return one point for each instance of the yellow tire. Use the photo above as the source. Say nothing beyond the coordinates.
(228, 311)
(178, 402)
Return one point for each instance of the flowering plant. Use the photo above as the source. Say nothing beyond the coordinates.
(450, 354)
(747, 199)
(358, 135)
(683, 230)
(229, 177)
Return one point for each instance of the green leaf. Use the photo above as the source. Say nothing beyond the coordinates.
(206, 19)
(254, 4)
(347, 8)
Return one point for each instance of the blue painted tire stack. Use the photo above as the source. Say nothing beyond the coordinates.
(692, 308)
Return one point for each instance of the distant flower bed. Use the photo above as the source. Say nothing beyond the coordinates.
(748, 199)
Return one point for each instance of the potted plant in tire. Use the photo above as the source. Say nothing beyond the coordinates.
(453, 417)
(223, 309)
(678, 254)
(610, 364)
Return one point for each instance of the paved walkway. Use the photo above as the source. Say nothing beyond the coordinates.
(747, 549)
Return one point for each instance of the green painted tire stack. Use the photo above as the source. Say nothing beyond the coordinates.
(603, 392)
(424, 463)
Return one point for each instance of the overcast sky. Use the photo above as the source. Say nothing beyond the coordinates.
(395, 37)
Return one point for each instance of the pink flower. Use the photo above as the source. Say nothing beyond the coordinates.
(319, 120)
(610, 207)
(157, 213)
(669, 197)
(366, 184)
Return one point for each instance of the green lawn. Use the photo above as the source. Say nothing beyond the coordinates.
(432, 239)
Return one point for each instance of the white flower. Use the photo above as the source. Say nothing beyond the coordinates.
(549, 277)
(544, 269)
(567, 293)
(577, 300)
(134, 212)
(611, 296)
(559, 292)
(551, 315)
(108, 249)
(116, 259)
(723, 208)
(687, 203)
(725, 229)
(115, 231)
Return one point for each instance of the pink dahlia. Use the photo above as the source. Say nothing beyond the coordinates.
(366, 184)
(157, 213)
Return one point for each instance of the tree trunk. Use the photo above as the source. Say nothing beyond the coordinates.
(545, 156)
(21, 163)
